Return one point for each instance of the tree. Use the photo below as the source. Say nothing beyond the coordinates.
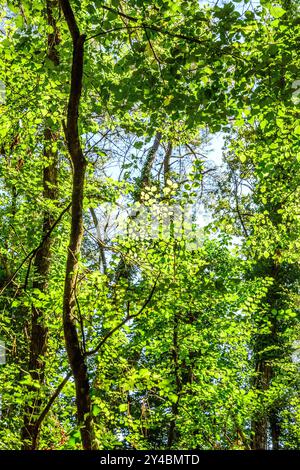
(116, 308)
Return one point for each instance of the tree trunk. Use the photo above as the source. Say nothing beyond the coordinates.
(263, 350)
(73, 345)
(275, 430)
(172, 434)
(38, 340)
(260, 424)
(76, 354)
(147, 167)
(123, 271)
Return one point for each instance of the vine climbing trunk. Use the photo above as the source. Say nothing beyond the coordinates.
(75, 351)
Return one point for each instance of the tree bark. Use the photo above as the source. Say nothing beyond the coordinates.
(75, 352)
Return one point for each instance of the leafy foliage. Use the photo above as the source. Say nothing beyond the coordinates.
(188, 333)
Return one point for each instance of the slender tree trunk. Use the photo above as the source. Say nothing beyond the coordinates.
(275, 430)
(264, 352)
(39, 332)
(260, 424)
(76, 354)
(172, 434)
(147, 167)
(102, 258)
(167, 162)
(122, 270)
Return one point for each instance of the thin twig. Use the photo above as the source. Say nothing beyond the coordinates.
(192, 39)
(52, 400)
(112, 30)
(153, 51)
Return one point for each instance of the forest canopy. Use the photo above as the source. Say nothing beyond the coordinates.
(150, 229)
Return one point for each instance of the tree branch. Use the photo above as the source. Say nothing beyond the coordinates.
(123, 322)
(92, 352)
(52, 400)
(33, 252)
(191, 39)
(112, 30)
(153, 50)
(70, 19)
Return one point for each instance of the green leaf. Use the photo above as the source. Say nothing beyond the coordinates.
(297, 129)
(123, 407)
(173, 397)
(277, 11)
